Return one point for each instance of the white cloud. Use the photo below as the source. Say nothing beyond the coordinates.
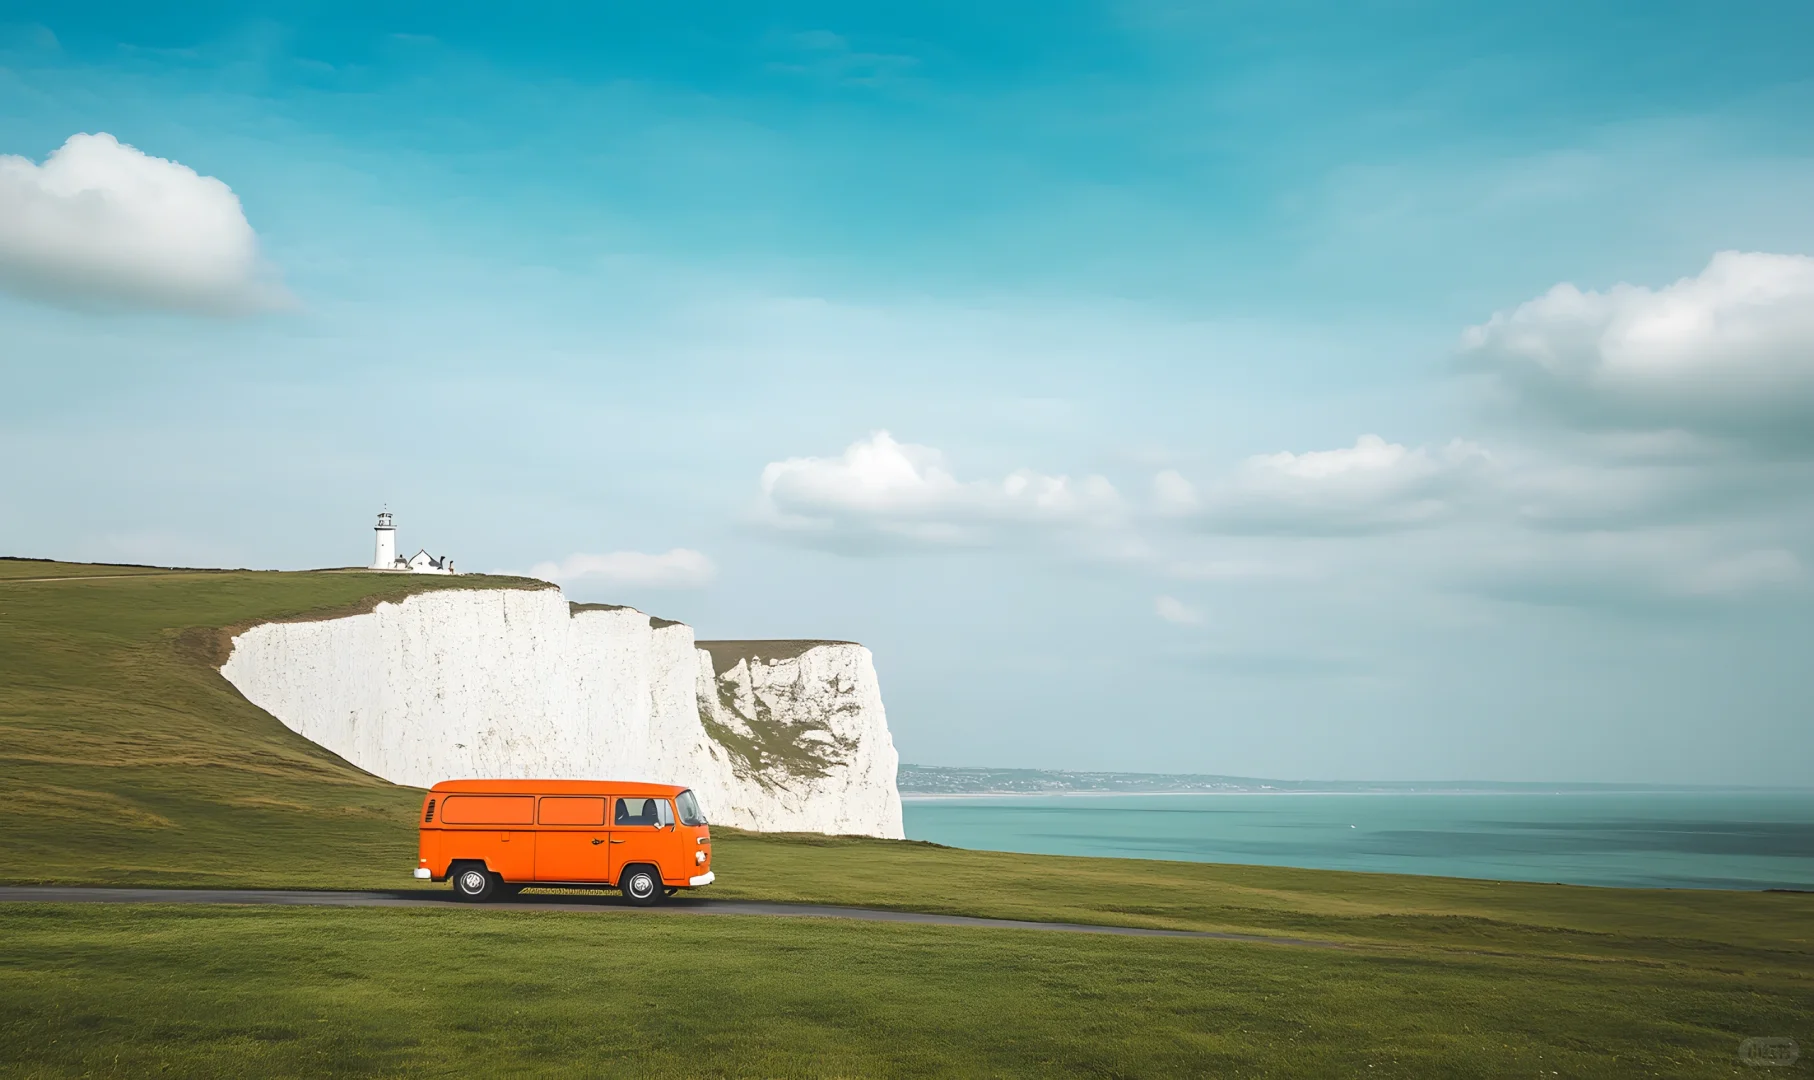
(1638, 569)
(1225, 570)
(1730, 351)
(101, 223)
(904, 491)
(1372, 486)
(1174, 494)
(1745, 573)
(1590, 490)
(680, 568)
(1176, 611)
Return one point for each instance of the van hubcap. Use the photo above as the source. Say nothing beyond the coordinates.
(472, 881)
(641, 885)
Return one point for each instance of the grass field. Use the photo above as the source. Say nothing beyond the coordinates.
(125, 758)
(95, 991)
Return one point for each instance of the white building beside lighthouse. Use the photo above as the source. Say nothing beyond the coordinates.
(385, 557)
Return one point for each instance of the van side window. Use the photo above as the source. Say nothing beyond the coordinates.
(636, 812)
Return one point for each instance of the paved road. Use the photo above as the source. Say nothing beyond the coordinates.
(59, 894)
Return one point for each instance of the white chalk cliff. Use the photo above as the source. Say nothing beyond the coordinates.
(517, 683)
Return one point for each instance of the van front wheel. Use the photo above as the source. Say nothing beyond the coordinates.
(641, 885)
(474, 884)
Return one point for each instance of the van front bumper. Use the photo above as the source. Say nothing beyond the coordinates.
(703, 879)
(424, 872)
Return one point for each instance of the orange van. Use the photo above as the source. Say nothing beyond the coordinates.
(492, 837)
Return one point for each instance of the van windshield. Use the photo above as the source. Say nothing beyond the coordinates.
(689, 809)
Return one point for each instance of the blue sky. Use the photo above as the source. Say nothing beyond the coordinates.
(1302, 390)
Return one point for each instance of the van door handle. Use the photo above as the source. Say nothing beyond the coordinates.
(614, 841)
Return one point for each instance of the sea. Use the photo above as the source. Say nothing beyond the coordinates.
(1699, 839)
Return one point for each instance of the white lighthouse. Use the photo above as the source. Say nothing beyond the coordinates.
(386, 556)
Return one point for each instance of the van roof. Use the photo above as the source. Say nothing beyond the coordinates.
(557, 787)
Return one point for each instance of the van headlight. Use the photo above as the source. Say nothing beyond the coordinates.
(699, 858)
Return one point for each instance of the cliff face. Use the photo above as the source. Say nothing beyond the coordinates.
(778, 736)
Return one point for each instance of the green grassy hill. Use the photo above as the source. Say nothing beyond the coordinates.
(126, 759)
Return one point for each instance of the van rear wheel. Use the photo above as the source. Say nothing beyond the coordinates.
(641, 885)
(475, 884)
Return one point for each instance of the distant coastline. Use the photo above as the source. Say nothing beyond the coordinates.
(1535, 790)
(927, 782)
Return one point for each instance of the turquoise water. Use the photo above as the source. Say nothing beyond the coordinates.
(1716, 840)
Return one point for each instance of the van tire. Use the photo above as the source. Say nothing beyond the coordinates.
(473, 883)
(641, 885)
